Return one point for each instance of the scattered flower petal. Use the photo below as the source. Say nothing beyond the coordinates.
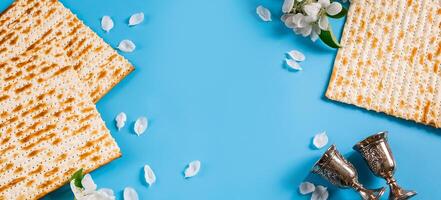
(306, 188)
(263, 13)
(287, 6)
(130, 194)
(120, 119)
(126, 46)
(334, 8)
(320, 140)
(192, 169)
(320, 193)
(293, 64)
(141, 125)
(149, 175)
(296, 55)
(106, 23)
(136, 19)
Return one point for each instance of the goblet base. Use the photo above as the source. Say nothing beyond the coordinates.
(402, 195)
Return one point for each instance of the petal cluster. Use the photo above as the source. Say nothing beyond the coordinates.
(89, 190)
(308, 18)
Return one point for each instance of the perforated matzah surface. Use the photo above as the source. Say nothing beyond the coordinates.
(391, 59)
(29, 23)
(49, 126)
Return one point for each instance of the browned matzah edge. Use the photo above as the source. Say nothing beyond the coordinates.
(132, 68)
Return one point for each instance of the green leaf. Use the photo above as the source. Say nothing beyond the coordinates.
(341, 14)
(328, 38)
(77, 177)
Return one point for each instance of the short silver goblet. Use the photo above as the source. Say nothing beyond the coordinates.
(376, 152)
(333, 167)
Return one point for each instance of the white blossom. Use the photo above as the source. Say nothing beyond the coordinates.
(89, 191)
(312, 10)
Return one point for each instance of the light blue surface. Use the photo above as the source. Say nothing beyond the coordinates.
(210, 77)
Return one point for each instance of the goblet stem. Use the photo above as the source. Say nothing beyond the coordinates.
(398, 193)
(366, 194)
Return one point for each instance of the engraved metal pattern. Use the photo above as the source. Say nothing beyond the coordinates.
(333, 167)
(378, 155)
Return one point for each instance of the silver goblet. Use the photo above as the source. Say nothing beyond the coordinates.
(376, 152)
(333, 167)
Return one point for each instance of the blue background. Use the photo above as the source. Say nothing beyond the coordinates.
(210, 77)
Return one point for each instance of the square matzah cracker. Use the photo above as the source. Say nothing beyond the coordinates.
(49, 126)
(391, 59)
(29, 23)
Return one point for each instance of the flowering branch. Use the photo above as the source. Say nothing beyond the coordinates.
(310, 18)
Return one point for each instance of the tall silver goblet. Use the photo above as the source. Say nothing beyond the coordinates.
(376, 152)
(333, 167)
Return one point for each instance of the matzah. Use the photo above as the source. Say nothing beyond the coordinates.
(49, 126)
(391, 59)
(30, 23)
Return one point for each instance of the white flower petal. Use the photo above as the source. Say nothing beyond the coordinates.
(298, 20)
(106, 23)
(149, 175)
(316, 29)
(296, 55)
(141, 125)
(314, 36)
(323, 22)
(287, 6)
(130, 194)
(78, 192)
(312, 9)
(306, 188)
(297, 30)
(289, 22)
(136, 19)
(127, 46)
(192, 169)
(306, 31)
(320, 193)
(103, 194)
(263, 13)
(310, 19)
(284, 17)
(88, 183)
(120, 120)
(334, 8)
(324, 3)
(320, 140)
(293, 64)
